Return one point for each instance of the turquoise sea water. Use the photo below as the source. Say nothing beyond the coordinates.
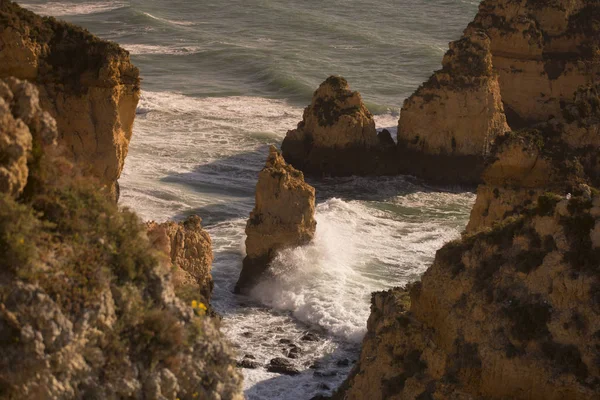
(222, 81)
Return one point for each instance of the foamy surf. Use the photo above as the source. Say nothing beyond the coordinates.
(59, 9)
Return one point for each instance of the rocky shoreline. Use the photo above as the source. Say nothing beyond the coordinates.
(96, 304)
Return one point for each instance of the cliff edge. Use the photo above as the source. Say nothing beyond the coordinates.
(88, 85)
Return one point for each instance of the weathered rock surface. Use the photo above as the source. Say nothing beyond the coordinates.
(507, 313)
(542, 50)
(337, 135)
(282, 366)
(511, 309)
(87, 305)
(283, 216)
(88, 85)
(190, 250)
(450, 122)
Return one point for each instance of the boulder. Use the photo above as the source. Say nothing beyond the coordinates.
(282, 366)
(283, 217)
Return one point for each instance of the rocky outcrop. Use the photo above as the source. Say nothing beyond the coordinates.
(88, 85)
(190, 251)
(87, 305)
(511, 309)
(542, 50)
(507, 313)
(283, 216)
(450, 123)
(337, 135)
(25, 126)
(555, 156)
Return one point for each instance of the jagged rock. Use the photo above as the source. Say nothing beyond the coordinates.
(449, 124)
(23, 126)
(337, 134)
(190, 250)
(248, 363)
(88, 85)
(282, 366)
(283, 216)
(542, 50)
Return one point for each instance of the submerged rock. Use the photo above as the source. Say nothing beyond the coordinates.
(88, 85)
(337, 134)
(282, 366)
(190, 250)
(283, 216)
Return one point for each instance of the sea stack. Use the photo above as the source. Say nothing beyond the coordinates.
(189, 248)
(448, 125)
(283, 217)
(336, 136)
(88, 85)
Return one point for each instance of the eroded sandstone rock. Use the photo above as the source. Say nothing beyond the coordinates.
(23, 126)
(337, 134)
(88, 85)
(501, 314)
(451, 121)
(189, 248)
(542, 50)
(283, 216)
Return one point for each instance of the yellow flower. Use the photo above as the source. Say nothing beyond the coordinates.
(195, 395)
(194, 304)
(202, 306)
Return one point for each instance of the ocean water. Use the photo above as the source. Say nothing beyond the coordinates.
(222, 80)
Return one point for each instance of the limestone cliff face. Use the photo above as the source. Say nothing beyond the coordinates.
(337, 134)
(88, 85)
(542, 50)
(557, 156)
(283, 216)
(88, 307)
(507, 313)
(190, 250)
(455, 115)
(511, 309)
(25, 126)
(460, 103)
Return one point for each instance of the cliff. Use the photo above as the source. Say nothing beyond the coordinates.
(337, 135)
(88, 85)
(542, 50)
(87, 305)
(447, 127)
(190, 250)
(511, 309)
(283, 216)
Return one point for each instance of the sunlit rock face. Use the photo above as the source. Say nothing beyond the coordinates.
(88, 85)
(283, 216)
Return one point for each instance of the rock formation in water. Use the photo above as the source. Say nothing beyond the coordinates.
(87, 305)
(447, 127)
(88, 85)
(283, 217)
(337, 135)
(511, 310)
(190, 250)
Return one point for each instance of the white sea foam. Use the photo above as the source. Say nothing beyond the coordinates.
(169, 21)
(139, 49)
(57, 9)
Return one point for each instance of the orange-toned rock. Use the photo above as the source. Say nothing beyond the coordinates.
(449, 124)
(189, 248)
(88, 85)
(337, 135)
(283, 217)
